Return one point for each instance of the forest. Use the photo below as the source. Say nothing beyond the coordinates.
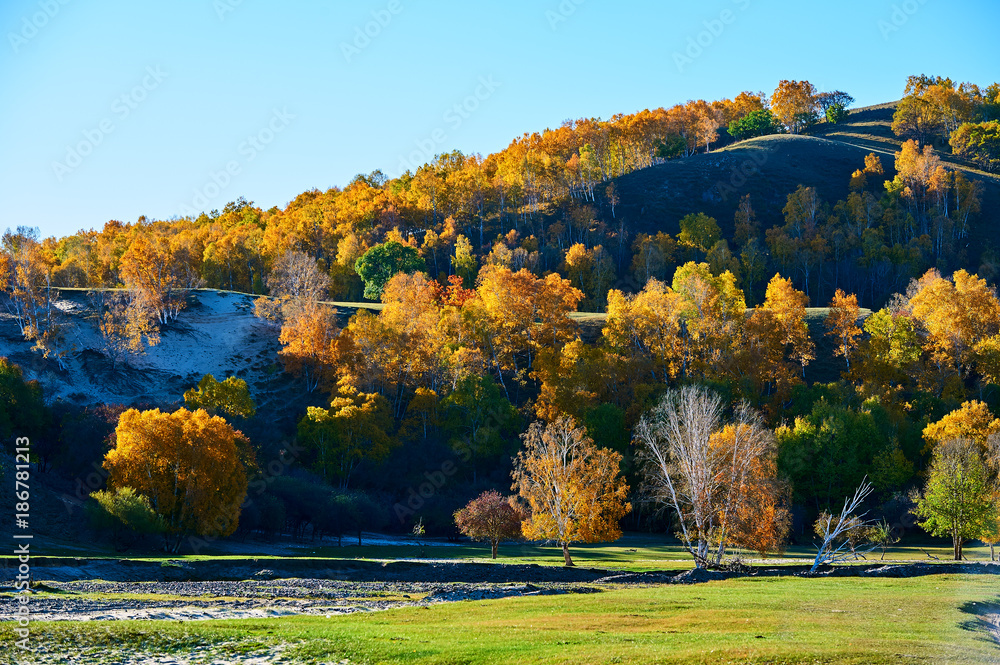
(850, 343)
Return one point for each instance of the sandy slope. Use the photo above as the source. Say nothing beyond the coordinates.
(216, 333)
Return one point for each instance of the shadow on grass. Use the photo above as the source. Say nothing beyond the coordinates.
(985, 621)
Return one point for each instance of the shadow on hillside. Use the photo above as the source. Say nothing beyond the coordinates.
(121, 378)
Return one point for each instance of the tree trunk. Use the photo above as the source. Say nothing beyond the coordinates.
(494, 547)
(566, 557)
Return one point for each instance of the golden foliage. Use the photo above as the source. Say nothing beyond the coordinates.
(191, 465)
(574, 489)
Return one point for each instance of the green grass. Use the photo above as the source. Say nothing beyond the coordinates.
(636, 552)
(787, 620)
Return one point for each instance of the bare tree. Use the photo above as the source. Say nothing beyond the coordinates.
(297, 275)
(708, 471)
(296, 282)
(835, 532)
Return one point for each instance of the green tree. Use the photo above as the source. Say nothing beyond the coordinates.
(699, 230)
(477, 414)
(22, 408)
(756, 123)
(230, 396)
(381, 262)
(356, 427)
(979, 142)
(828, 453)
(124, 512)
(836, 113)
(957, 500)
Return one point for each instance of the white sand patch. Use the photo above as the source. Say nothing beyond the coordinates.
(215, 334)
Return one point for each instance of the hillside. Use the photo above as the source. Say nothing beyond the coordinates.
(769, 167)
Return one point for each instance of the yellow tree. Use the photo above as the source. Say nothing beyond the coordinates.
(974, 422)
(230, 396)
(355, 428)
(574, 489)
(308, 338)
(191, 466)
(794, 104)
(714, 310)
(153, 271)
(842, 324)
(956, 317)
(26, 274)
(648, 324)
(788, 305)
(126, 326)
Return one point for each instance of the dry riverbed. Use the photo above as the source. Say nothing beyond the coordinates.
(109, 601)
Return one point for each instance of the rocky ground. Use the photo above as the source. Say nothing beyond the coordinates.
(109, 601)
(90, 590)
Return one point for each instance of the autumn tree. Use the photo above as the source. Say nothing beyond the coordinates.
(308, 338)
(125, 324)
(787, 306)
(973, 421)
(514, 314)
(491, 518)
(648, 324)
(717, 475)
(191, 466)
(842, 324)
(954, 315)
(230, 396)
(153, 269)
(699, 230)
(889, 353)
(714, 311)
(356, 428)
(573, 488)
(958, 498)
(978, 142)
(26, 275)
(794, 103)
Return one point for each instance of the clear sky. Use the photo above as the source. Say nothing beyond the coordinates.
(113, 109)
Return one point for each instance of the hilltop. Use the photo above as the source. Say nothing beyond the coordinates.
(769, 167)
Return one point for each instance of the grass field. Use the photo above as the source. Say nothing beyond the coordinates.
(637, 552)
(787, 620)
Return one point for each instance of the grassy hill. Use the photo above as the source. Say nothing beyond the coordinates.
(768, 168)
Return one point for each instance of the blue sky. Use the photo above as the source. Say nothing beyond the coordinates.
(112, 110)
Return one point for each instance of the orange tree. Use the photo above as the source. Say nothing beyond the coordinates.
(574, 488)
(191, 466)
